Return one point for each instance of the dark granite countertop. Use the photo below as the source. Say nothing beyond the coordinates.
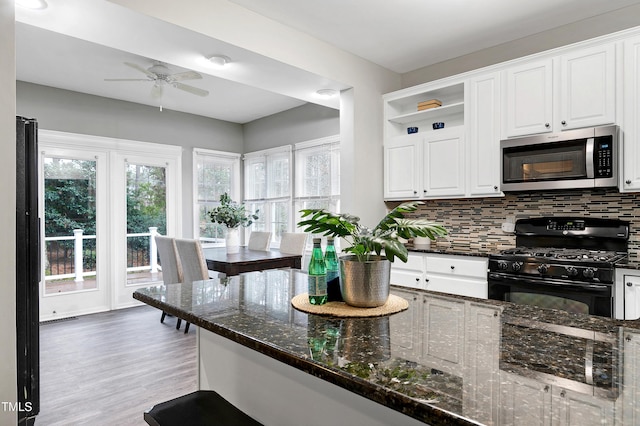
(446, 360)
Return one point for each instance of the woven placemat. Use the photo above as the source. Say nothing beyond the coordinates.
(394, 305)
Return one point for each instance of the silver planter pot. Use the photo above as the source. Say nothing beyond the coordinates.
(365, 284)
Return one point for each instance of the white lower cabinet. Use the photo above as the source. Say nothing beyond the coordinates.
(527, 401)
(459, 275)
(405, 326)
(443, 334)
(631, 385)
(631, 297)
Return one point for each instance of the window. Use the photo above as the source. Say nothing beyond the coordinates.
(267, 189)
(214, 173)
(317, 175)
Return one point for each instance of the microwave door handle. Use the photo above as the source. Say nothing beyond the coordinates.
(589, 158)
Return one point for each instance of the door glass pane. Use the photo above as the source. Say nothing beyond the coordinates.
(69, 225)
(146, 215)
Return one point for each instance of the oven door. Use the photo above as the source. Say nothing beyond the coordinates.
(585, 298)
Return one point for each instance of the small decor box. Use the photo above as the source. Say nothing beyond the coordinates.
(431, 103)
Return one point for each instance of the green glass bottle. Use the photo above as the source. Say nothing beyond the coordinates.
(317, 275)
(333, 272)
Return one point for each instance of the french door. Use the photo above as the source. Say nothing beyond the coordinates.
(100, 209)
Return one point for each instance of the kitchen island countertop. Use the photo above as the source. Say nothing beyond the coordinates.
(445, 360)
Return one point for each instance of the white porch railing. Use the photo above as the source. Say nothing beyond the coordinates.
(78, 254)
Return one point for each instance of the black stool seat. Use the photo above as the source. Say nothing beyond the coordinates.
(200, 408)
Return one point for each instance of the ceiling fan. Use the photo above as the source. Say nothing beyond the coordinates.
(161, 76)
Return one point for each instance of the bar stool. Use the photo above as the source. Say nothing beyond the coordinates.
(199, 408)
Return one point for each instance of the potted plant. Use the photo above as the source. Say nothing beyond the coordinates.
(365, 274)
(232, 215)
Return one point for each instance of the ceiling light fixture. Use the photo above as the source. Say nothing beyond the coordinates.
(32, 4)
(327, 93)
(219, 60)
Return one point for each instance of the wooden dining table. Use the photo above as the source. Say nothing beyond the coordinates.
(249, 260)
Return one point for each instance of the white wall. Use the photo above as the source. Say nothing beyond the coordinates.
(73, 112)
(299, 124)
(8, 375)
(606, 23)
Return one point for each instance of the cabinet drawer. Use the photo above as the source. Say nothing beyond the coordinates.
(411, 279)
(459, 266)
(415, 262)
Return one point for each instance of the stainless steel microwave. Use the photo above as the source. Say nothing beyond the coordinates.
(582, 158)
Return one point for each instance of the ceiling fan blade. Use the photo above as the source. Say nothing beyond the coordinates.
(139, 68)
(126, 79)
(191, 89)
(156, 91)
(187, 75)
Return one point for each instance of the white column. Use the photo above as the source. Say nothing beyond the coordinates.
(153, 249)
(77, 253)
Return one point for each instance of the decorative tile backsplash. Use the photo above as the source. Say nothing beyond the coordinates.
(475, 224)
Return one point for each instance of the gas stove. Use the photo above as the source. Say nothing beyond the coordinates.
(563, 263)
(558, 263)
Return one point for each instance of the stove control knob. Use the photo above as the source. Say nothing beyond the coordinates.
(572, 271)
(503, 265)
(588, 273)
(516, 266)
(543, 268)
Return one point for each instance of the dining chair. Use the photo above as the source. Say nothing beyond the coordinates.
(293, 242)
(170, 264)
(259, 240)
(194, 265)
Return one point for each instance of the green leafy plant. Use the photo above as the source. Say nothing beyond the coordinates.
(232, 214)
(365, 241)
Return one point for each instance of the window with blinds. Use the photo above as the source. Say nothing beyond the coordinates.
(214, 173)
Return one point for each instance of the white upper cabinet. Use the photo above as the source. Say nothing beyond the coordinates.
(529, 103)
(631, 130)
(483, 137)
(443, 164)
(576, 89)
(401, 163)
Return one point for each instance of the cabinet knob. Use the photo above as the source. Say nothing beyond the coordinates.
(495, 187)
(629, 284)
(546, 388)
(547, 125)
(563, 122)
(415, 192)
(453, 267)
(628, 182)
(417, 279)
(563, 393)
(426, 280)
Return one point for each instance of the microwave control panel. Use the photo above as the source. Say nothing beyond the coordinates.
(603, 160)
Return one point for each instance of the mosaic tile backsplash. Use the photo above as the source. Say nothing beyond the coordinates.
(475, 224)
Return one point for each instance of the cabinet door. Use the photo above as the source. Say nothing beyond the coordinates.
(401, 168)
(443, 334)
(443, 164)
(523, 401)
(406, 278)
(631, 297)
(576, 409)
(631, 384)
(484, 135)
(631, 143)
(529, 100)
(405, 341)
(587, 88)
(481, 384)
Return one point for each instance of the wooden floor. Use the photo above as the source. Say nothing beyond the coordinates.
(107, 368)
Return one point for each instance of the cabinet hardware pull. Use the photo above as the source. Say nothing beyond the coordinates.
(563, 393)
(628, 338)
(628, 182)
(495, 187)
(629, 284)
(564, 123)
(547, 125)
(495, 313)
(415, 192)
(546, 388)
(417, 279)
(453, 267)
(426, 280)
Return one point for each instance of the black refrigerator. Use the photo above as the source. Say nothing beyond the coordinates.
(27, 270)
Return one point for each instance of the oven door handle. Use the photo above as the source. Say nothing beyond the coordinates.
(589, 158)
(549, 281)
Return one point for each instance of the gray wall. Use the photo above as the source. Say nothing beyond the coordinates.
(299, 124)
(8, 374)
(73, 112)
(583, 30)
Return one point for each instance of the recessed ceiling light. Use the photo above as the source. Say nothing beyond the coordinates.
(327, 93)
(219, 60)
(32, 4)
